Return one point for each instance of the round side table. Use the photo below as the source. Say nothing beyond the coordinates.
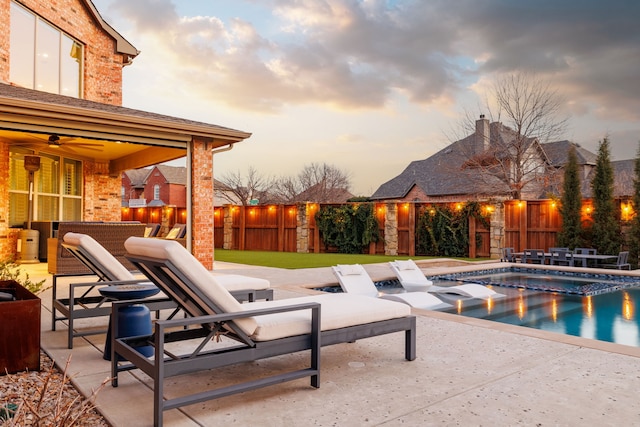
(133, 320)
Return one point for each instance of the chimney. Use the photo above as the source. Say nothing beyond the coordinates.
(482, 135)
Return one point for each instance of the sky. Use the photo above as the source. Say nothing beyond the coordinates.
(368, 86)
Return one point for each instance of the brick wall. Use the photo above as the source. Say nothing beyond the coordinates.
(102, 201)
(102, 65)
(202, 204)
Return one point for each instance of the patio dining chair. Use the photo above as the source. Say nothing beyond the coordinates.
(231, 333)
(533, 256)
(508, 255)
(622, 263)
(584, 251)
(561, 257)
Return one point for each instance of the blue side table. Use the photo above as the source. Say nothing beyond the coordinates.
(133, 320)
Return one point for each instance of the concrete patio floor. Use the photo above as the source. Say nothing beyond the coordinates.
(468, 372)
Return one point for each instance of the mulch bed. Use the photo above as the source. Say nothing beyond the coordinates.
(45, 398)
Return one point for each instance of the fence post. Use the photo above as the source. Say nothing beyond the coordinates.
(302, 228)
(472, 237)
(391, 229)
(227, 227)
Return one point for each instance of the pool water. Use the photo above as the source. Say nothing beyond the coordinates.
(597, 306)
(546, 280)
(608, 316)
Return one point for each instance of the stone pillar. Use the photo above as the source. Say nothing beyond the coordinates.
(497, 230)
(391, 229)
(227, 241)
(302, 228)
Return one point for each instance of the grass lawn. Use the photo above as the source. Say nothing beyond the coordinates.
(295, 260)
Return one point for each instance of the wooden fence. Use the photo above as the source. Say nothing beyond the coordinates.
(292, 228)
(276, 228)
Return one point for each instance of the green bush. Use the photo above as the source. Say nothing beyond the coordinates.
(350, 228)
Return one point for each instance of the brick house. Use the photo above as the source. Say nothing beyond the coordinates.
(447, 175)
(60, 101)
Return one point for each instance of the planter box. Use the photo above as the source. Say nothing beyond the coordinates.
(19, 330)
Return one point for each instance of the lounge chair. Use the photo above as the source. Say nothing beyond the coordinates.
(110, 271)
(257, 329)
(413, 279)
(151, 230)
(354, 279)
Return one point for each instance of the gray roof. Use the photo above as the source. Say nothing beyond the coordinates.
(558, 152)
(623, 178)
(137, 177)
(174, 174)
(444, 174)
(15, 92)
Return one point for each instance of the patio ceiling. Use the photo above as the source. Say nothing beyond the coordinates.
(124, 137)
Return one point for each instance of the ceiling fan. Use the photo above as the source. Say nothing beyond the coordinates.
(54, 141)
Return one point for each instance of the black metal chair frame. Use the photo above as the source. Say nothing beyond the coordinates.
(164, 364)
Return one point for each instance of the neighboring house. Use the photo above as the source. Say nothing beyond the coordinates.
(158, 186)
(60, 101)
(318, 194)
(453, 175)
(163, 185)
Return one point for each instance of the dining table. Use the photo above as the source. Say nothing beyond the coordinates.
(583, 258)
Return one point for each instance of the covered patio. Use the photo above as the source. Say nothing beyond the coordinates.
(108, 140)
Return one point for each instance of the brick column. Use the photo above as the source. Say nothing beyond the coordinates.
(202, 220)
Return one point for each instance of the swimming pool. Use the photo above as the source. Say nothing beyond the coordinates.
(601, 307)
(596, 306)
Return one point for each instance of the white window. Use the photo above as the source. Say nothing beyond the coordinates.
(57, 189)
(42, 57)
(156, 192)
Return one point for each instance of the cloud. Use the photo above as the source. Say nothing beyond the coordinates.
(352, 55)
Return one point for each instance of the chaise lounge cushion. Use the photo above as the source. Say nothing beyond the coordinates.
(108, 261)
(237, 282)
(337, 310)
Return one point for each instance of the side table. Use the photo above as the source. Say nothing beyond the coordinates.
(133, 320)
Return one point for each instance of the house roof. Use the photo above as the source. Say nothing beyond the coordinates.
(174, 174)
(623, 179)
(28, 116)
(138, 177)
(558, 153)
(443, 173)
(122, 45)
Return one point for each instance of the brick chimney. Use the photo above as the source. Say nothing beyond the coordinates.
(482, 135)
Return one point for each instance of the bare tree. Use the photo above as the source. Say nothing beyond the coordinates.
(316, 182)
(238, 189)
(524, 111)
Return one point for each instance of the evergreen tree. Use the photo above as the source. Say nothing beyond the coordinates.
(570, 235)
(634, 239)
(606, 228)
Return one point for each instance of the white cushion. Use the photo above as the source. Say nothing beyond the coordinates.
(195, 272)
(337, 311)
(97, 251)
(350, 269)
(173, 233)
(406, 265)
(355, 283)
(237, 282)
